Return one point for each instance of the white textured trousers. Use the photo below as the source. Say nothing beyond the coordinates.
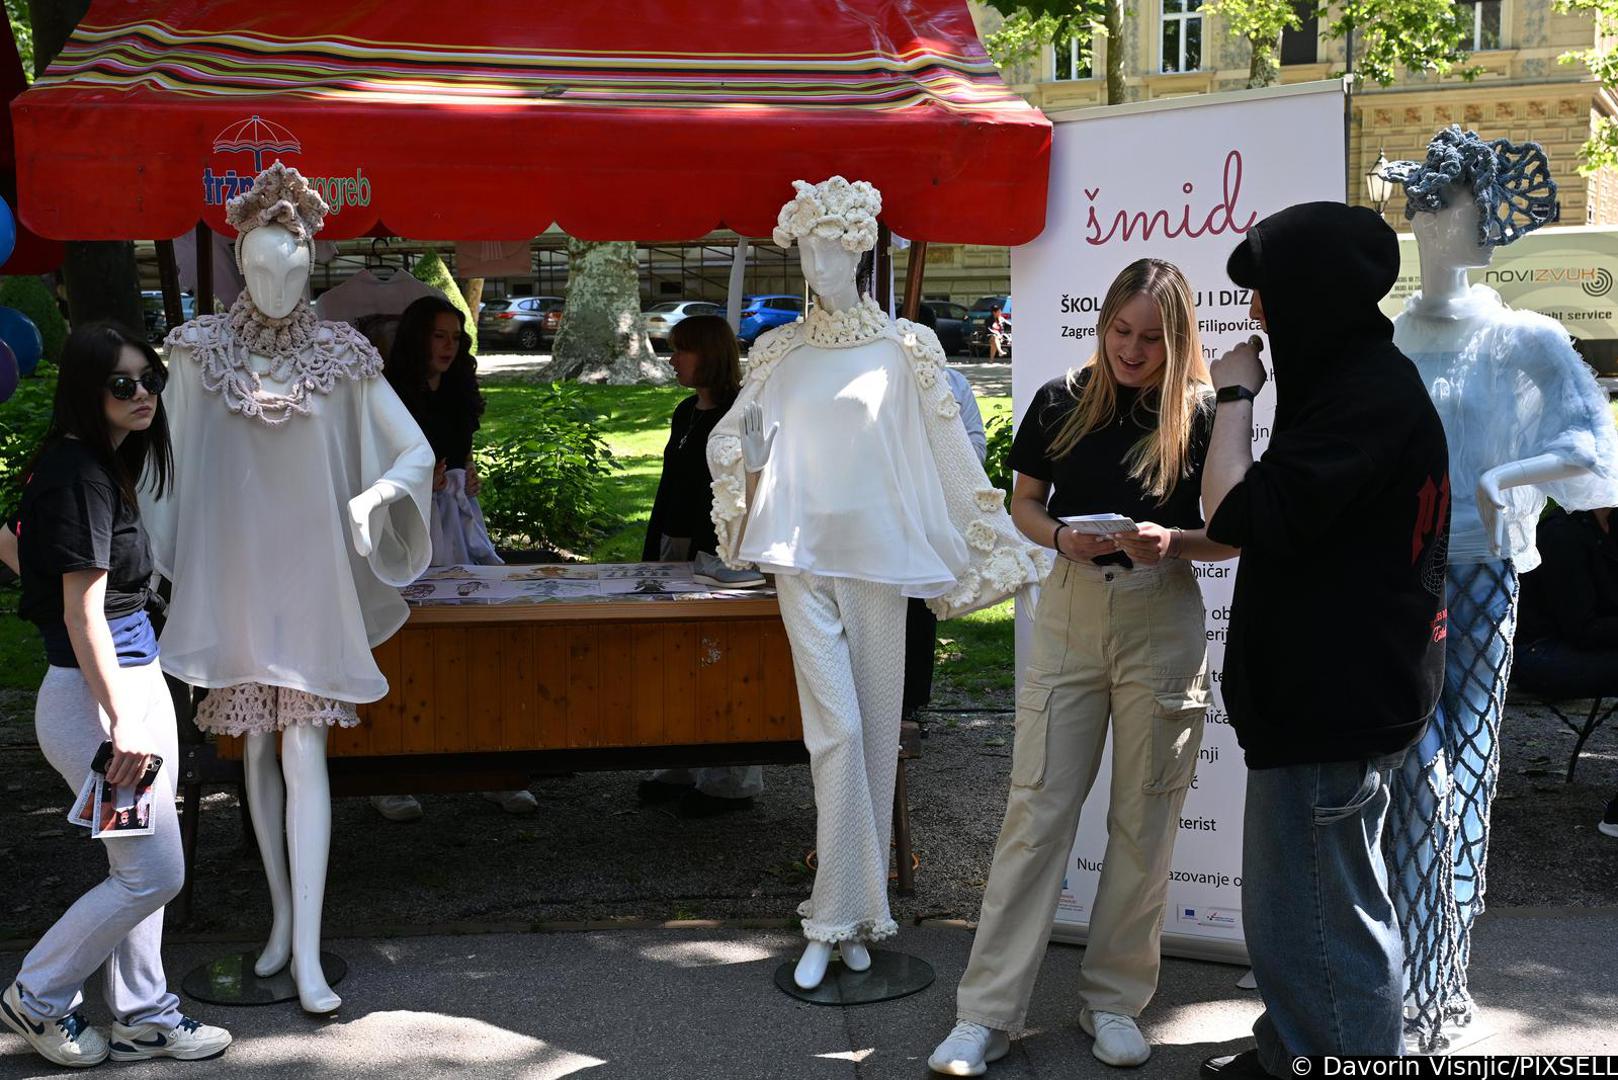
(848, 642)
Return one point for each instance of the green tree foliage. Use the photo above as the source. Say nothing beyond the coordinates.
(1600, 150)
(431, 270)
(1421, 36)
(29, 295)
(1031, 25)
(22, 28)
(1261, 23)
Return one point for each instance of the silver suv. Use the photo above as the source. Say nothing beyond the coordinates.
(529, 322)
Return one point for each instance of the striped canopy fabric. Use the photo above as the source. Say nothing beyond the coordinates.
(643, 119)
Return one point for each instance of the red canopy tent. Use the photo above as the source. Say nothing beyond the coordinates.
(654, 119)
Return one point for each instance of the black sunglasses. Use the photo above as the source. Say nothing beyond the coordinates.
(122, 387)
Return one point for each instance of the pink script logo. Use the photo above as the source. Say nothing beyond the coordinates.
(1143, 224)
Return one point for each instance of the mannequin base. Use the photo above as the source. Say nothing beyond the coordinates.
(891, 975)
(230, 980)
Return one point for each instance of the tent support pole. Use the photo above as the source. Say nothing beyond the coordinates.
(733, 297)
(204, 270)
(915, 270)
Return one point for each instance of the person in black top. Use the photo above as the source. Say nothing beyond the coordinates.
(707, 360)
(1567, 615)
(85, 565)
(1118, 643)
(432, 369)
(1335, 653)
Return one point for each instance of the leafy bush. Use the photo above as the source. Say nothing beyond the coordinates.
(23, 420)
(431, 270)
(998, 461)
(32, 297)
(541, 488)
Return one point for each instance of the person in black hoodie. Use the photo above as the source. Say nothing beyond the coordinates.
(1335, 654)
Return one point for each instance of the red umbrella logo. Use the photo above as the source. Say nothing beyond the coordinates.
(257, 136)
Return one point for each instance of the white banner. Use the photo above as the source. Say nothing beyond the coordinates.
(1178, 180)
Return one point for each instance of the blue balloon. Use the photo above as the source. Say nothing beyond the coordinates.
(8, 232)
(8, 372)
(18, 331)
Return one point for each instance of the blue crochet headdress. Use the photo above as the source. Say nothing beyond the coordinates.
(1510, 182)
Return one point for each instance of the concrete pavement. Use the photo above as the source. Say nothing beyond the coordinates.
(698, 1003)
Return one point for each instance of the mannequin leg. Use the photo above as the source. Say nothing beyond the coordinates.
(811, 967)
(266, 801)
(856, 957)
(308, 844)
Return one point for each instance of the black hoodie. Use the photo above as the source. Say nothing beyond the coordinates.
(1335, 649)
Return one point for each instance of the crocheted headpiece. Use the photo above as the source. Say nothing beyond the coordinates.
(834, 210)
(279, 196)
(1510, 183)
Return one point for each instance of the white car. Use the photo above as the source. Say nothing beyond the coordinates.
(661, 318)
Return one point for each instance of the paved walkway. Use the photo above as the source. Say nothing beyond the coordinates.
(673, 1004)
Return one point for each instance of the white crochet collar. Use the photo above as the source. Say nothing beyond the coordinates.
(858, 325)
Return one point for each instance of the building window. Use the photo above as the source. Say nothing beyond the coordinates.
(1302, 46)
(1066, 62)
(1482, 19)
(1182, 35)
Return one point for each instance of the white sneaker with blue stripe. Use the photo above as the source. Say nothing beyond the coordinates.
(70, 1041)
(191, 1040)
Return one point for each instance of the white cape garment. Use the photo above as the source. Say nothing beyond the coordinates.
(254, 532)
(1000, 560)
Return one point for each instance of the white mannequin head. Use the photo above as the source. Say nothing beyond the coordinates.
(1450, 236)
(828, 266)
(275, 265)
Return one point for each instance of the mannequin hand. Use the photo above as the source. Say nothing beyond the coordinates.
(361, 506)
(439, 478)
(756, 445)
(1240, 366)
(1082, 547)
(1146, 546)
(131, 753)
(1492, 510)
(474, 483)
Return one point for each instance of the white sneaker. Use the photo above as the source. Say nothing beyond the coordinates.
(711, 570)
(968, 1049)
(521, 801)
(70, 1041)
(397, 807)
(1118, 1040)
(192, 1040)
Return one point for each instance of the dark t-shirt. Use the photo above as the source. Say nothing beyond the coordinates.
(684, 502)
(73, 517)
(447, 419)
(1093, 477)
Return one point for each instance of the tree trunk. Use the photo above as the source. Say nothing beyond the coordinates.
(100, 275)
(472, 293)
(602, 337)
(1115, 52)
(1265, 68)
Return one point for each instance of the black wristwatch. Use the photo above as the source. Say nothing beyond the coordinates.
(1234, 393)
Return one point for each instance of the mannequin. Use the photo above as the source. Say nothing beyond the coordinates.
(1524, 420)
(287, 442)
(844, 470)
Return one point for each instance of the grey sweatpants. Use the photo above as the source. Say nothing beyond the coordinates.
(119, 923)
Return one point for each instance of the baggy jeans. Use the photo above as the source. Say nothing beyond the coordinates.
(118, 924)
(1108, 642)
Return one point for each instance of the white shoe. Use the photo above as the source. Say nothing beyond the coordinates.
(968, 1049)
(1118, 1040)
(521, 801)
(397, 807)
(70, 1041)
(192, 1040)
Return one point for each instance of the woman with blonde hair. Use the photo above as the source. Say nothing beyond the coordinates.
(1119, 634)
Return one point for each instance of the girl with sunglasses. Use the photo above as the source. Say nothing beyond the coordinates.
(85, 565)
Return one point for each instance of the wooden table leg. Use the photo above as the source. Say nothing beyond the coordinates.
(901, 832)
(190, 820)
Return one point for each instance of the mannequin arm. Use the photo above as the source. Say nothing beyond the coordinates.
(388, 519)
(756, 444)
(1493, 484)
(362, 506)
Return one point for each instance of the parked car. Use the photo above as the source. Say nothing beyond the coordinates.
(761, 313)
(157, 323)
(661, 318)
(529, 322)
(950, 322)
(977, 337)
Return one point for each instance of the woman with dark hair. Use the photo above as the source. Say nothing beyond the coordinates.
(85, 565)
(432, 369)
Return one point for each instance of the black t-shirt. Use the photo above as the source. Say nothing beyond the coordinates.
(447, 419)
(1093, 477)
(684, 502)
(73, 517)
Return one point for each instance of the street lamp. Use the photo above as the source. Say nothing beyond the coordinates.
(1378, 186)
